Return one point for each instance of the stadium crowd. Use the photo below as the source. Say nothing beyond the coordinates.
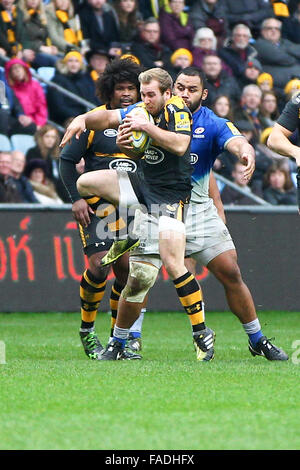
(248, 49)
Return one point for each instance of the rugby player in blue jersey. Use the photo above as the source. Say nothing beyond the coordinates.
(207, 238)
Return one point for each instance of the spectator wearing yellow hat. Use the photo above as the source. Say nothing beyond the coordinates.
(180, 59)
(265, 81)
(291, 87)
(70, 75)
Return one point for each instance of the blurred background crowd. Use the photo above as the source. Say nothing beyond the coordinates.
(248, 49)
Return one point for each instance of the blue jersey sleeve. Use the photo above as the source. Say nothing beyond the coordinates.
(226, 131)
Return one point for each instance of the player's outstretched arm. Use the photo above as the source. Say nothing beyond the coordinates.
(97, 120)
(279, 142)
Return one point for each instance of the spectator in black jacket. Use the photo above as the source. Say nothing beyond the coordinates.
(279, 57)
(8, 188)
(218, 81)
(238, 52)
(22, 184)
(279, 188)
(250, 12)
(12, 33)
(210, 13)
(232, 196)
(149, 49)
(98, 23)
(70, 74)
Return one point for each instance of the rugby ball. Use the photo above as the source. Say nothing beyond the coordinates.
(140, 140)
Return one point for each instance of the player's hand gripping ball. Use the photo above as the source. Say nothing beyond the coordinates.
(140, 141)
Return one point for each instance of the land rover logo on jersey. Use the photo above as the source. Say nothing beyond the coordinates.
(199, 130)
(194, 158)
(110, 132)
(153, 156)
(122, 164)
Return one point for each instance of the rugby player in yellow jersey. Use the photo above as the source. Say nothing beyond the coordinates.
(163, 188)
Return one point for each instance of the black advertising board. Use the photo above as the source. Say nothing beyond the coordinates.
(41, 262)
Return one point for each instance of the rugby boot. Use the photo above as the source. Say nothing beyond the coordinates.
(265, 348)
(91, 344)
(114, 351)
(204, 345)
(119, 248)
(134, 343)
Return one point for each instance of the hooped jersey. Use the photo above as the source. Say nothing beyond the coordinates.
(99, 150)
(160, 167)
(210, 136)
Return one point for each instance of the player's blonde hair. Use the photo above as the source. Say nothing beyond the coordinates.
(161, 76)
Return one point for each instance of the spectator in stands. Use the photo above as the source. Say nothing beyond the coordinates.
(37, 47)
(12, 33)
(44, 189)
(279, 188)
(149, 9)
(210, 13)
(71, 75)
(265, 81)
(232, 196)
(22, 184)
(99, 24)
(291, 26)
(291, 87)
(30, 94)
(250, 12)
(222, 107)
(263, 156)
(8, 188)
(279, 57)
(96, 60)
(176, 28)
(249, 109)
(180, 59)
(205, 43)
(63, 26)
(149, 49)
(11, 112)
(129, 19)
(238, 52)
(252, 72)
(47, 148)
(269, 112)
(218, 81)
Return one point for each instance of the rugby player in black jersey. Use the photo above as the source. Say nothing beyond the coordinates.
(163, 189)
(287, 123)
(118, 87)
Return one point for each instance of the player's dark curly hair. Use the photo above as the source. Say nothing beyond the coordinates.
(117, 71)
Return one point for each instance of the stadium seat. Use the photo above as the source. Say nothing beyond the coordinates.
(47, 73)
(22, 142)
(5, 143)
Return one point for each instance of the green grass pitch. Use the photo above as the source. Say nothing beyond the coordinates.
(53, 397)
